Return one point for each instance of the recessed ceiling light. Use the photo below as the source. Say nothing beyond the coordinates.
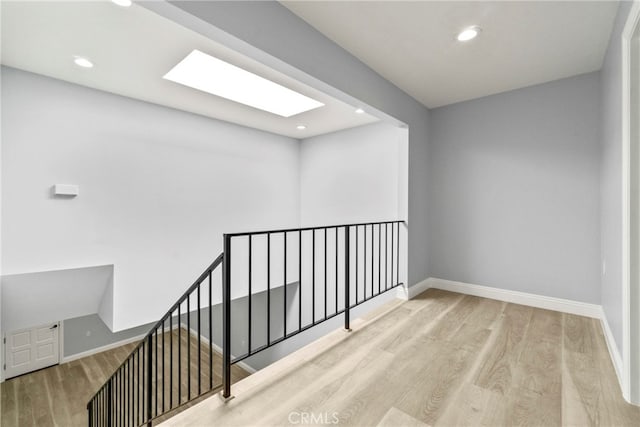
(82, 62)
(212, 75)
(301, 127)
(359, 111)
(468, 34)
(123, 3)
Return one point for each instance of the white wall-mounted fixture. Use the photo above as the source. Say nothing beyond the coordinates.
(212, 75)
(123, 3)
(301, 127)
(359, 111)
(469, 33)
(83, 62)
(67, 190)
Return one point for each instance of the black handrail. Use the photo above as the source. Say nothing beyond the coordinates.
(135, 394)
(353, 294)
(317, 227)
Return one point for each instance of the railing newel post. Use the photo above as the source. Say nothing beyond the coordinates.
(347, 299)
(226, 317)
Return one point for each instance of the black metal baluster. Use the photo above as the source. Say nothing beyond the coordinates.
(143, 373)
(379, 256)
(346, 280)
(386, 264)
(188, 348)
(179, 353)
(137, 357)
(364, 266)
(149, 379)
(141, 401)
(226, 321)
(398, 256)
(325, 274)
(250, 297)
(128, 393)
(110, 402)
(155, 383)
(163, 371)
(392, 240)
(284, 305)
(372, 245)
(268, 289)
(210, 334)
(199, 346)
(357, 264)
(98, 415)
(299, 280)
(131, 401)
(123, 406)
(313, 276)
(171, 360)
(336, 270)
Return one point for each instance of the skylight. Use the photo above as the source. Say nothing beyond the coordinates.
(212, 75)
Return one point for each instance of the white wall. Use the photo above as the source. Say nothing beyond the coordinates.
(158, 187)
(611, 177)
(355, 175)
(514, 190)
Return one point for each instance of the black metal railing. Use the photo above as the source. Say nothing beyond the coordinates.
(170, 367)
(312, 275)
(284, 282)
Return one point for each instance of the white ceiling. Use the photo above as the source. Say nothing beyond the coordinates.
(132, 48)
(413, 44)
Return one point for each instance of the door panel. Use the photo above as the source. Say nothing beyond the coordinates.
(31, 349)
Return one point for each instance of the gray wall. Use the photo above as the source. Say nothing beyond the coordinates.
(284, 40)
(87, 333)
(514, 190)
(611, 177)
(239, 322)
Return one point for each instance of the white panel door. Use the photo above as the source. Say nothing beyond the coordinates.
(31, 349)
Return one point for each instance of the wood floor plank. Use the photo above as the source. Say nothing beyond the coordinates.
(431, 386)
(421, 320)
(395, 418)
(454, 319)
(474, 406)
(577, 334)
(529, 408)
(540, 368)
(497, 370)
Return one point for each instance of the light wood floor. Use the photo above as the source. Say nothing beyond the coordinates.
(58, 396)
(442, 359)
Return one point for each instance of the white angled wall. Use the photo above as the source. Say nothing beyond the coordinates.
(158, 188)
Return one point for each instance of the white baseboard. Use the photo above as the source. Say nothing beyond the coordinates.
(67, 359)
(412, 291)
(533, 300)
(616, 357)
